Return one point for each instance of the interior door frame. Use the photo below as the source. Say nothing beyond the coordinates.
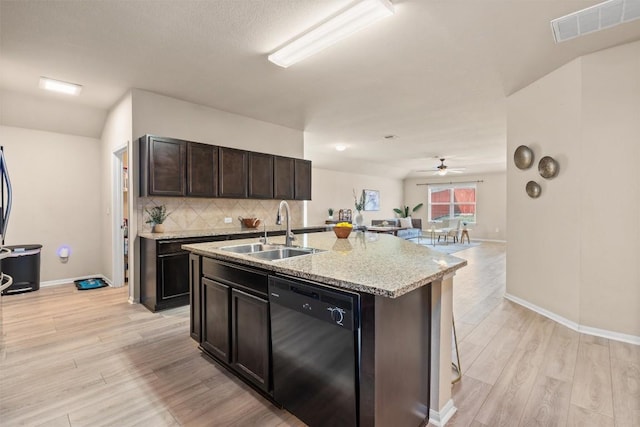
(117, 206)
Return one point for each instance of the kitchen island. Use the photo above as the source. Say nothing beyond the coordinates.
(403, 325)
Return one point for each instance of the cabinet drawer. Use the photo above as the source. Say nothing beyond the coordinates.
(238, 276)
(173, 247)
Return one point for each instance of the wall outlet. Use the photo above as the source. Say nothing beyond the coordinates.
(497, 229)
(228, 220)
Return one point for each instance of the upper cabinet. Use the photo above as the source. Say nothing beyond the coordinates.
(260, 176)
(162, 166)
(202, 170)
(302, 180)
(173, 167)
(233, 173)
(283, 173)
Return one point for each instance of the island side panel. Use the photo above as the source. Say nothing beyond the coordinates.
(441, 404)
(367, 360)
(402, 358)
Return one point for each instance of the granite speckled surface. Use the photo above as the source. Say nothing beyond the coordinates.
(218, 232)
(378, 264)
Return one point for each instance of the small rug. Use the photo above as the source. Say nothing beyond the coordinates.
(93, 283)
(447, 248)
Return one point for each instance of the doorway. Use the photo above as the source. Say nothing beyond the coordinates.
(121, 217)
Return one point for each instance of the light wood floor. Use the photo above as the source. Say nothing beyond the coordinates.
(88, 358)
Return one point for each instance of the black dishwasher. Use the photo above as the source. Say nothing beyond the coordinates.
(315, 342)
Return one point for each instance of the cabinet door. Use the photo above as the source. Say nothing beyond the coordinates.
(174, 275)
(202, 170)
(215, 318)
(250, 337)
(302, 179)
(195, 315)
(166, 166)
(283, 173)
(260, 176)
(232, 173)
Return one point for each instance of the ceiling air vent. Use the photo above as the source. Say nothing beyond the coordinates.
(595, 18)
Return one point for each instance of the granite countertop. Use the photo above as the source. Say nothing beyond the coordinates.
(373, 263)
(220, 232)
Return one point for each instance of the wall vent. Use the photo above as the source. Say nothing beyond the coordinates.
(595, 18)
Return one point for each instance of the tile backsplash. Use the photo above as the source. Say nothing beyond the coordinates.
(202, 214)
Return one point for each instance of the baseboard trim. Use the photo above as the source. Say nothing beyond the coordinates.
(612, 335)
(491, 240)
(71, 280)
(440, 418)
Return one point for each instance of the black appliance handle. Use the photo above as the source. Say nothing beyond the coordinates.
(7, 180)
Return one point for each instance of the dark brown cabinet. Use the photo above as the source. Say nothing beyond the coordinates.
(302, 179)
(235, 317)
(202, 170)
(260, 176)
(283, 173)
(162, 166)
(232, 173)
(250, 337)
(173, 167)
(195, 286)
(215, 318)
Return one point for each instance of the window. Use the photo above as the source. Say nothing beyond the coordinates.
(452, 201)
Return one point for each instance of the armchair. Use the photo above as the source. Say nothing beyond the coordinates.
(453, 230)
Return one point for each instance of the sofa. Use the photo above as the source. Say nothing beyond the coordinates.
(405, 233)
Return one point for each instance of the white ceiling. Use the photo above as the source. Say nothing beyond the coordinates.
(436, 74)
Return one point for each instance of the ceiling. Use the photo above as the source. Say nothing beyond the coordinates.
(436, 74)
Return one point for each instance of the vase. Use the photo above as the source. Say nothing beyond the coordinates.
(158, 228)
(359, 219)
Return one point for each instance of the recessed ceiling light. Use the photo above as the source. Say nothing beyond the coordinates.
(59, 86)
(341, 147)
(349, 21)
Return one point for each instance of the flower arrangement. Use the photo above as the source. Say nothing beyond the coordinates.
(359, 204)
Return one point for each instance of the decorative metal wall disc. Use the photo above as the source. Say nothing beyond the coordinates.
(523, 157)
(533, 189)
(548, 167)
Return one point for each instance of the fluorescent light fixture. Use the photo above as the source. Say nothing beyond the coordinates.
(595, 18)
(59, 86)
(341, 147)
(349, 21)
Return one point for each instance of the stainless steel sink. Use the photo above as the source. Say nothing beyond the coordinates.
(251, 248)
(283, 253)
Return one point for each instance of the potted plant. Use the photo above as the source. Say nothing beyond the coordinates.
(330, 214)
(359, 205)
(403, 212)
(157, 215)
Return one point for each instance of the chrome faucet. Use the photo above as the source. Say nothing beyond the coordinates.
(289, 237)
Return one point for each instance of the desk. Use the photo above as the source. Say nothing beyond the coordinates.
(388, 230)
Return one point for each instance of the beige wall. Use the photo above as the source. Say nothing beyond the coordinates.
(564, 255)
(56, 198)
(116, 134)
(333, 189)
(491, 202)
(160, 115)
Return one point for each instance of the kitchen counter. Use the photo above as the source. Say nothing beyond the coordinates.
(373, 263)
(222, 232)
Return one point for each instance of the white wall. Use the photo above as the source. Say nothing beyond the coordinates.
(491, 202)
(333, 189)
(56, 198)
(574, 251)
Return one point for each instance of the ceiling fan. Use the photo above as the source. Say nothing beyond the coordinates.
(443, 169)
